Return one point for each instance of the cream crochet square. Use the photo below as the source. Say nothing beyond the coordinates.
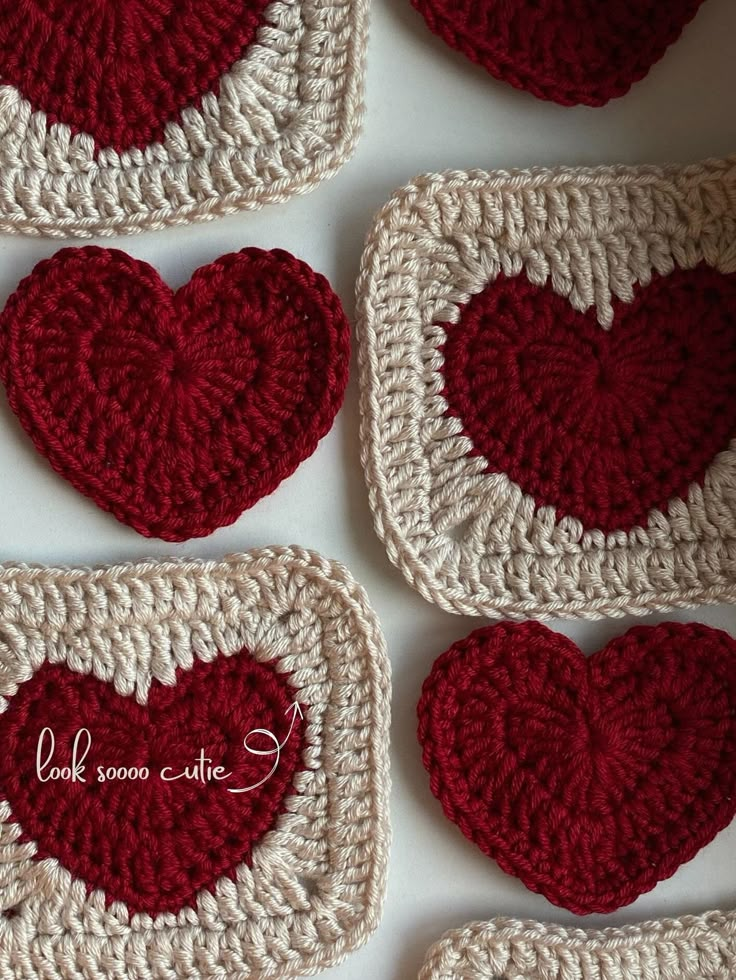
(314, 887)
(285, 117)
(690, 948)
(472, 540)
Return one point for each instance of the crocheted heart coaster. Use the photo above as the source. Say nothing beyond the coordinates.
(584, 52)
(590, 780)
(124, 115)
(548, 377)
(691, 948)
(174, 411)
(193, 779)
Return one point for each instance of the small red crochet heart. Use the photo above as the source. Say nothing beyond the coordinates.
(603, 425)
(174, 411)
(121, 69)
(569, 51)
(151, 843)
(590, 780)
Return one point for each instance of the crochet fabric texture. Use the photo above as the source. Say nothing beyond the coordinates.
(591, 780)
(158, 661)
(128, 115)
(548, 379)
(691, 948)
(580, 52)
(175, 411)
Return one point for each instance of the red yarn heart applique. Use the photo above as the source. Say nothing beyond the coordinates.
(174, 411)
(585, 51)
(151, 843)
(603, 425)
(121, 69)
(590, 780)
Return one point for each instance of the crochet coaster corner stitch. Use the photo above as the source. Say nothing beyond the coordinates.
(194, 770)
(548, 383)
(690, 948)
(123, 115)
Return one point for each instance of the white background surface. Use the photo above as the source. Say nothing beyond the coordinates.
(428, 109)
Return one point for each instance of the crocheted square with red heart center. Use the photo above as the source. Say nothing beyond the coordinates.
(152, 843)
(121, 114)
(193, 767)
(174, 411)
(590, 780)
(548, 376)
(582, 52)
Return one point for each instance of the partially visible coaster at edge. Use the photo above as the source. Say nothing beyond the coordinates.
(270, 665)
(548, 384)
(691, 948)
(127, 116)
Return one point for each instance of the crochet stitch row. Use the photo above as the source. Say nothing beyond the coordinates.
(691, 948)
(313, 888)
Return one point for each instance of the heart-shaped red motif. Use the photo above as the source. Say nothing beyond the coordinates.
(151, 843)
(590, 780)
(174, 411)
(583, 52)
(121, 69)
(603, 425)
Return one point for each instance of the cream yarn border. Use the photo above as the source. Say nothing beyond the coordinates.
(691, 948)
(288, 115)
(315, 888)
(473, 542)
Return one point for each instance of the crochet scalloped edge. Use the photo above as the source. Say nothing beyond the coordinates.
(690, 948)
(37, 219)
(135, 599)
(429, 579)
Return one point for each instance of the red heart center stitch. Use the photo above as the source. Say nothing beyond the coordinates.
(174, 411)
(590, 780)
(570, 51)
(152, 844)
(603, 425)
(121, 69)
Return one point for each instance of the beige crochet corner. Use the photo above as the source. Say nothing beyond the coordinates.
(472, 541)
(691, 948)
(288, 115)
(314, 888)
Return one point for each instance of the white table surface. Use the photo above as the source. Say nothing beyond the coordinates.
(428, 109)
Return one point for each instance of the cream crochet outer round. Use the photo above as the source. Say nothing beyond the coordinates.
(287, 116)
(314, 888)
(471, 540)
(691, 948)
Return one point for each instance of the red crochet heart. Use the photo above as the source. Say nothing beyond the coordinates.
(174, 411)
(569, 51)
(151, 843)
(603, 425)
(590, 780)
(121, 69)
